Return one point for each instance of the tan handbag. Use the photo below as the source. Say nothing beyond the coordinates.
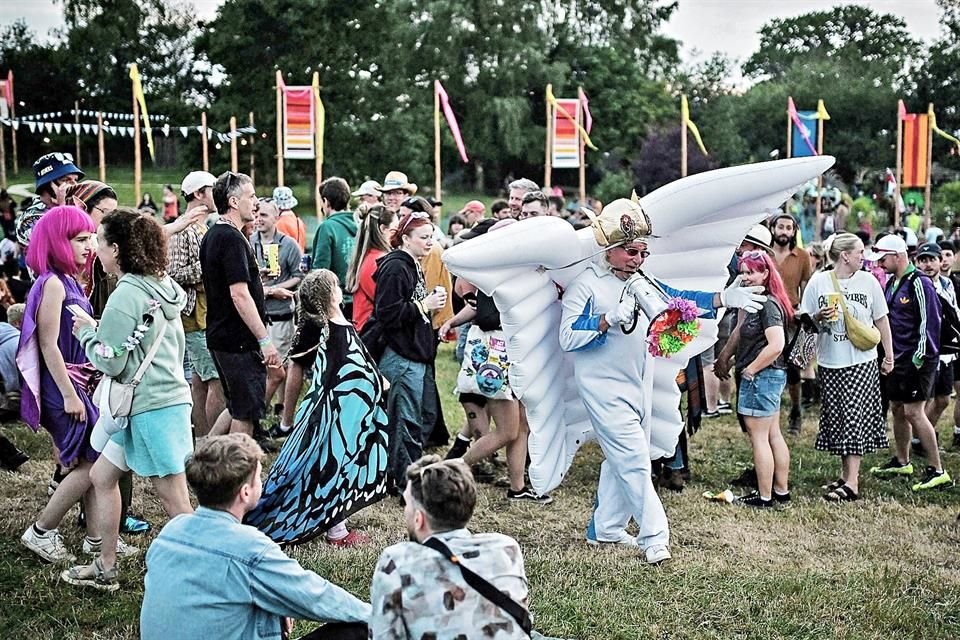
(863, 336)
(120, 394)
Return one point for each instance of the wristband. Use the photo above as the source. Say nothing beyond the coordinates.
(264, 341)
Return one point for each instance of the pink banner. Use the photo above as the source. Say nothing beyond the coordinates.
(451, 120)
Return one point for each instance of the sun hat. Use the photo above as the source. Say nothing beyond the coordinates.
(368, 188)
(760, 235)
(889, 244)
(53, 166)
(397, 180)
(284, 199)
(197, 180)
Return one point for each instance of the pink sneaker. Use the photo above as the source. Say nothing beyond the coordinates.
(352, 539)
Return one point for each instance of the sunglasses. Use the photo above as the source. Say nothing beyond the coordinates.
(62, 157)
(633, 252)
(409, 218)
(752, 254)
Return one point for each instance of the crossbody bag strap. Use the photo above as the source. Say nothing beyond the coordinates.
(836, 286)
(484, 588)
(142, 369)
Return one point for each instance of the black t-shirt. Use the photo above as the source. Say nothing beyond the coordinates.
(226, 258)
(753, 338)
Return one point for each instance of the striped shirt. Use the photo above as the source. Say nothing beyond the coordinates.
(914, 316)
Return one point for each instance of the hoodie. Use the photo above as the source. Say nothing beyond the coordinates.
(163, 384)
(399, 287)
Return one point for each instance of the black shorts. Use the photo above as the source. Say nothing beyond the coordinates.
(244, 379)
(956, 370)
(907, 384)
(943, 386)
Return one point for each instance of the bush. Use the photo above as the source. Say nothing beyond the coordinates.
(613, 185)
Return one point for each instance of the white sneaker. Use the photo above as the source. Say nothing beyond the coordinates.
(123, 549)
(657, 553)
(48, 546)
(625, 539)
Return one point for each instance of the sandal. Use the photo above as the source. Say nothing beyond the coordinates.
(836, 484)
(843, 493)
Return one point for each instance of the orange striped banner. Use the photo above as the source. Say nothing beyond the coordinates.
(916, 149)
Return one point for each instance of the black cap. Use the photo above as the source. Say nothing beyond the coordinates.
(929, 249)
(478, 229)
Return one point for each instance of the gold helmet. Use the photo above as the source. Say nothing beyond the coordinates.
(620, 222)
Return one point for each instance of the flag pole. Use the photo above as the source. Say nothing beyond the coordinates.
(317, 144)
(583, 148)
(203, 141)
(548, 160)
(234, 164)
(818, 233)
(280, 128)
(896, 187)
(436, 141)
(136, 148)
(101, 154)
(683, 144)
(789, 133)
(253, 166)
(926, 192)
(76, 120)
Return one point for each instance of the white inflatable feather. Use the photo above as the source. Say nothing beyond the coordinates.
(699, 221)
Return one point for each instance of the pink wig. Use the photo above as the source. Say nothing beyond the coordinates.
(760, 261)
(50, 248)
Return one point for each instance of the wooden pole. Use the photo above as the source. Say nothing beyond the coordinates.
(253, 164)
(789, 135)
(317, 144)
(203, 141)
(76, 125)
(896, 191)
(280, 129)
(583, 152)
(3, 160)
(234, 161)
(101, 156)
(13, 137)
(926, 191)
(436, 141)
(817, 232)
(683, 147)
(136, 150)
(548, 160)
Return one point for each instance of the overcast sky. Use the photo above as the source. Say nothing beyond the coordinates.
(703, 26)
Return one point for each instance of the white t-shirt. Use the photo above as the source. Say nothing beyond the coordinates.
(865, 301)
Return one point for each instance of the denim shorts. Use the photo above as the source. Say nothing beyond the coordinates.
(201, 361)
(760, 397)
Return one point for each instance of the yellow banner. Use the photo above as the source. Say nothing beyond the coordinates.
(940, 132)
(138, 94)
(685, 117)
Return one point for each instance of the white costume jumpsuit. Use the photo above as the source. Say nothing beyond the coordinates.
(609, 368)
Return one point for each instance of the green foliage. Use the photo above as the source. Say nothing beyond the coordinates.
(946, 202)
(613, 185)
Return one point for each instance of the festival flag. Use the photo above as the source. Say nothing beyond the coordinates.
(901, 110)
(587, 116)
(138, 94)
(299, 119)
(940, 132)
(561, 109)
(321, 116)
(822, 111)
(451, 119)
(802, 144)
(916, 149)
(685, 118)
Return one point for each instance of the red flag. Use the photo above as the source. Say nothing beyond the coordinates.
(451, 120)
(916, 139)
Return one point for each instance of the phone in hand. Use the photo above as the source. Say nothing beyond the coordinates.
(78, 311)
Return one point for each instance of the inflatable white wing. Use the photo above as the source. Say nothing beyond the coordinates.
(699, 221)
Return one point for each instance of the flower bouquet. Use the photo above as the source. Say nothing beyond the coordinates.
(673, 329)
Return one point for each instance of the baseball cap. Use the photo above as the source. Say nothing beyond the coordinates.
(197, 180)
(368, 188)
(474, 206)
(53, 166)
(889, 244)
(929, 249)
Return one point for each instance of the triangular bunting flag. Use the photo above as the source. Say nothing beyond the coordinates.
(184, 131)
(57, 126)
(32, 125)
(16, 125)
(87, 128)
(69, 127)
(112, 130)
(49, 127)
(166, 130)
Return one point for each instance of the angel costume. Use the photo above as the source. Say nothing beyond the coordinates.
(577, 385)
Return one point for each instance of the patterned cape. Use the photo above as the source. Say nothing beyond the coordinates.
(334, 463)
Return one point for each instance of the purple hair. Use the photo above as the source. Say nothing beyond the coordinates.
(49, 248)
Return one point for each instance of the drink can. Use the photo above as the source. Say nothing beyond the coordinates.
(273, 260)
(304, 263)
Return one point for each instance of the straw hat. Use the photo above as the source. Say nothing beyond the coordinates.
(397, 180)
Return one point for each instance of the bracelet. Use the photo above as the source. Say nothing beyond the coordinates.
(264, 341)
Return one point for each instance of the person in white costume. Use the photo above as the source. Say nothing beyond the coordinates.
(605, 327)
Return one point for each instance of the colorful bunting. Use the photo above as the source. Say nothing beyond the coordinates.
(916, 137)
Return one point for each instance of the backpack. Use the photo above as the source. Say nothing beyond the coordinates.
(949, 328)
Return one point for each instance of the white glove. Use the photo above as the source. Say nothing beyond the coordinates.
(749, 299)
(623, 313)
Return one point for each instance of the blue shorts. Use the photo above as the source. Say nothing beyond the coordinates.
(155, 444)
(760, 397)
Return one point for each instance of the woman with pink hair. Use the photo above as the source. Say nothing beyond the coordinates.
(58, 378)
(762, 374)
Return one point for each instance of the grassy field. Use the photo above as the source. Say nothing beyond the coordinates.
(885, 567)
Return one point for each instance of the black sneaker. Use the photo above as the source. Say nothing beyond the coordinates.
(10, 457)
(711, 414)
(754, 500)
(527, 495)
(746, 479)
(781, 498)
(724, 408)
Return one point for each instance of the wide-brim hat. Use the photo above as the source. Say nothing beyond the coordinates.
(53, 166)
(284, 199)
(368, 188)
(761, 236)
(620, 222)
(397, 180)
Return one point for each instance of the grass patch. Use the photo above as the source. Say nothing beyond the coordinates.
(884, 567)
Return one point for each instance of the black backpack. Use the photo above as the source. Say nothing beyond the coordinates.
(949, 325)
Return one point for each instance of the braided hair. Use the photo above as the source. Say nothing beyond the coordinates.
(313, 301)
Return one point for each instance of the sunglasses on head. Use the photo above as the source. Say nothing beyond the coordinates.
(409, 218)
(752, 254)
(62, 157)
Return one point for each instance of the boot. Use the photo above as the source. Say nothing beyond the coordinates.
(10, 457)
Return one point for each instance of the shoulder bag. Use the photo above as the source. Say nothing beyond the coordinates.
(862, 336)
(120, 394)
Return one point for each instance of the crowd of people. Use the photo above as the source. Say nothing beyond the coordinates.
(180, 344)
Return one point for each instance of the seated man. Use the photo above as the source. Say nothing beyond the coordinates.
(418, 592)
(209, 576)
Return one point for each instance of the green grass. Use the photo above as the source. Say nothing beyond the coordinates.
(885, 567)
